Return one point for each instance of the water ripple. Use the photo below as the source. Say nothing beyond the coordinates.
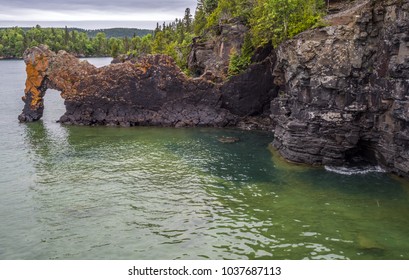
(70, 192)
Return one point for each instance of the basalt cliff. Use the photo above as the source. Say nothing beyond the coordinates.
(344, 89)
(332, 95)
(151, 91)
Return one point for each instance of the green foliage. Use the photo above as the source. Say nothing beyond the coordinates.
(200, 21)
(141, 46)
(118, 32)
(100, 44)
(228, 9)
(187, 21)
(225, 10)
(115, 46)
(234, 64)
(267, 20)
(278, 20)
(77, 41)
(204, 10)
(209, 6)
(239, 62)
(173, 39)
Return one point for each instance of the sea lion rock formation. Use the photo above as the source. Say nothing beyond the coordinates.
(334, 94)
(152, 91)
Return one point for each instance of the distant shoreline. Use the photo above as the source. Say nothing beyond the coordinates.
(10, 58)
(77, 56)
(89, 25)
(117, 32)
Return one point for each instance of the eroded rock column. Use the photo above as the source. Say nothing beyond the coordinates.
(37, 63)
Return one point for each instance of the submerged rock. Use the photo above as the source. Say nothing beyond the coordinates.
(368, 244)
(228, 140)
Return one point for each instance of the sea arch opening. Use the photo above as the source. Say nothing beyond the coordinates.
(54, 106)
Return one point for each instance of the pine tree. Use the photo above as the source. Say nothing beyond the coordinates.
(66, 36)
(200, 21)
(209, 6)
(187, 20)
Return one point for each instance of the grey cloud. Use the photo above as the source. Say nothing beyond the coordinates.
(177, 6)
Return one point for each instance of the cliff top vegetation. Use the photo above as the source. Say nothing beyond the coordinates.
(268, 21)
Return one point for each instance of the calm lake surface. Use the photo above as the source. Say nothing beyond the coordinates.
(71, 192)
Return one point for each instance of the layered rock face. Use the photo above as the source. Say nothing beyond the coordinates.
(210, 57)
(344, 89)
(150, 91)
(335, 95)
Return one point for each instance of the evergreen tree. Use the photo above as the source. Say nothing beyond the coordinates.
(277, 20)
(187, 20)
(66, 36)
(267, 20)
(200, 21)
(209, 6)
(126, 44)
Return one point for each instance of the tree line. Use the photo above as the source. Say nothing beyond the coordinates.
(13, 41)
(269, 22)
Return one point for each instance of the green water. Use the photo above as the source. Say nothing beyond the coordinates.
(71, 192)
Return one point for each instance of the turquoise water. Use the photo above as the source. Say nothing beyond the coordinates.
(72, 192)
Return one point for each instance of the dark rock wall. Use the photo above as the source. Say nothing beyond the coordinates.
(150, 91)
(210, 55)
(335, 95)
(344, 89)
(250, 93)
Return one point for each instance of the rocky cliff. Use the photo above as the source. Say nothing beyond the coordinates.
(344, 89)
(210, 54)
(336, 95)
(150, 91)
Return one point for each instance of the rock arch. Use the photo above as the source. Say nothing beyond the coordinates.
(45, 69)
(151, 91)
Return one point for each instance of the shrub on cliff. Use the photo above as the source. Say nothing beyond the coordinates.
(278, 20)
(267, 20)
(240, 61)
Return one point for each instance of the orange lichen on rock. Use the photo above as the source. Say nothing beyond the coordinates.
(143, 66)
(37, 61)
(36, 73)
(149, 91)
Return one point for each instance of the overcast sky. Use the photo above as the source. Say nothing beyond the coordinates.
(94, 13)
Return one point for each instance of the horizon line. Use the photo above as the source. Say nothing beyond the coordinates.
(84, 24)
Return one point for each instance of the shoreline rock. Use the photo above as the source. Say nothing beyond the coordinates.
(151, 91)
(332, 95)
(344, 90)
